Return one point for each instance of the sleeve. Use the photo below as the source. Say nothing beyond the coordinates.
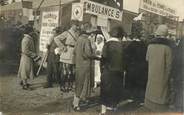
(74, 53)
(168, 59)
(26, 49)
(147, 54)
(168, 65)
(104, 55)
(87, 49)
(59, 40)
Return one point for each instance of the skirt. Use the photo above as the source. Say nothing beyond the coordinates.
(111, 88)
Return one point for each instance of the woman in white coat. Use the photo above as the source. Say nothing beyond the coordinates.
(99, 46)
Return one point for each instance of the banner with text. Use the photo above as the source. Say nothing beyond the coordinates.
(157, 7)
(102, 10)
(49, 22)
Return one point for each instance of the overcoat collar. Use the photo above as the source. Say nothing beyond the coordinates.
(113, 39)
(162, 41)
(28, 36)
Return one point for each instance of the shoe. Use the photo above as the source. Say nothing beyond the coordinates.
(26, 87)
(110, 108)
(62, 89)
(48, 86)
(21, 83)
(77, 109)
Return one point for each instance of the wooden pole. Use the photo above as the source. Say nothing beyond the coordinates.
(42, 62)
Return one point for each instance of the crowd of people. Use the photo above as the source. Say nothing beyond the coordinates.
(81, 58)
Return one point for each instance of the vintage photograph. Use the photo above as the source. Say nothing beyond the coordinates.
(91, 57)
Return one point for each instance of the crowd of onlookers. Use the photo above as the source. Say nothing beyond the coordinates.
(82, 58)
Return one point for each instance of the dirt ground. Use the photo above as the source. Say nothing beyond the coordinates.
(51, 101)
(13, 99)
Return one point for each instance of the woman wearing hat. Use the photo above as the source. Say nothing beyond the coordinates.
(99, 45)
(112, 70)
(159, 57)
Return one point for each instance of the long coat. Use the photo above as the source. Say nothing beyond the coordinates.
(28, 54)
(178, 74)
(159, 57)
(83, 55)
(136, 65)
(112, 69)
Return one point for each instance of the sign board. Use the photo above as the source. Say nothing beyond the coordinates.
(157, 7)
(102, 21)
(77, 11)
(27, 12)
(102, 10)
(49, 22)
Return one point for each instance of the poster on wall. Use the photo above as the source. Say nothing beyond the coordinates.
(50, 21)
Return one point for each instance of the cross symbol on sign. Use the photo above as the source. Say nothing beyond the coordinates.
(77, 12)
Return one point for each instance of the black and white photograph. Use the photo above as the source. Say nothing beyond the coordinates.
(91, 57)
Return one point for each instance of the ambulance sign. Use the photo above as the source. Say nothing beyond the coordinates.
(102, 10)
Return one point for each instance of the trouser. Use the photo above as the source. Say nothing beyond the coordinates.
(52, 70)
(66, 74)
(76, 101)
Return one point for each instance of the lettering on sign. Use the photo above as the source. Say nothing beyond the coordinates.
(49, 22)
(157, 8)
(102, 10)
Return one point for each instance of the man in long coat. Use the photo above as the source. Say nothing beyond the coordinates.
(52, 60)
(28, 57)
(84, 67)
(159, 57)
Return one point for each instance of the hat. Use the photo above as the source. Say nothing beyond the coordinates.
(117, 32)
(27, 29)
(162, 30)
(100, 36)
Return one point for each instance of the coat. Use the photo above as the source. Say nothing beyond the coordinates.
(159, 57)
(26, 68)
(83, 55)
(178, 73)
(97, 73)
(67, 39)
(136, 65)
(112, 72)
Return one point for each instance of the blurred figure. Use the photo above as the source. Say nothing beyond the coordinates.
(179, 79)
(159, 56)
(136, 67)
(99, 46)
(28, 58)
(112, 71)
(84, 56)
(66, 42)
(52, 60)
